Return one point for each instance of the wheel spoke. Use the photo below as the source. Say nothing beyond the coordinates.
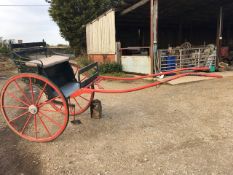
(44, 126)
(51, 120)
(78, 104)
(99, 86)
(84, 98)
(35, 125)
(76, 72)
(20, 89)
(41, 93)
(26, 124)
(19, 116)
(17, 107)
(82, 102)
(31, 88)
(83, 79)
(17, 99)
(61, 108)
(55, 107)
(86, 74)
(48, 110)
(47, 101)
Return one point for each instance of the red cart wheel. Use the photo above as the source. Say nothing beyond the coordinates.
(26, 104)
(83, 101)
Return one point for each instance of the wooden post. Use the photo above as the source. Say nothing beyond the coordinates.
(181, 59)
(96, 109)
(219, 36)
(155, 31)
(151, 35)
(118, 52)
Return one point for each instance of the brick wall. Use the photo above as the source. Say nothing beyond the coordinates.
(100, 58)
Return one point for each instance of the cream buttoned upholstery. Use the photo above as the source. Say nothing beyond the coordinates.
(47, 62)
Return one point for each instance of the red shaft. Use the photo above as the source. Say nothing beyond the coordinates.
(99, 79)
(154, 84)
(155, 75)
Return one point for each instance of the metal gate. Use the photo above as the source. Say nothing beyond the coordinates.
(185, 58)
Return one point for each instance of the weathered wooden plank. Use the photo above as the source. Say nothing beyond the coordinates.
(135, 6)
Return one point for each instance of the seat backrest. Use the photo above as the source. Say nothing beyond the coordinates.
(21, 53)
(93, 73)
(27, 45)
(60, 74)
(28, 48)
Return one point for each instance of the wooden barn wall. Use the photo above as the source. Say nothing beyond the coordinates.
(100, 35)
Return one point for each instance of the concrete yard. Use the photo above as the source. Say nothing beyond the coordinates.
(182, 129)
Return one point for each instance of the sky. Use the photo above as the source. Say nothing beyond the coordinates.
(28, 23)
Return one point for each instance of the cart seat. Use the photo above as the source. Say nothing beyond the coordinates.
(47, 62)
(70, 88)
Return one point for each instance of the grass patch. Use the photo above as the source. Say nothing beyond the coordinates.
(106, 69)
(4, 50)
(110, 68)
(82, 61)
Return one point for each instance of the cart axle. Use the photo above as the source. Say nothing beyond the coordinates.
(33, 109)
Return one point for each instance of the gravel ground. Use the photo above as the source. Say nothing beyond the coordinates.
(182, 129)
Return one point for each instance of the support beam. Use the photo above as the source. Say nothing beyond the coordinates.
(155, 31)
(152, 35)
(135, 6)
(219, 36)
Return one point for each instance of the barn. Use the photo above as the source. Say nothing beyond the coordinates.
(147, 36)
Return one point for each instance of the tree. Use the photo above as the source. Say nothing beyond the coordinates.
(71, 16)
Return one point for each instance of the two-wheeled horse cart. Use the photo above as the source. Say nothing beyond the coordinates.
(36, 104)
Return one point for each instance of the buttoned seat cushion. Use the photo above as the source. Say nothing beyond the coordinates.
(47, 62)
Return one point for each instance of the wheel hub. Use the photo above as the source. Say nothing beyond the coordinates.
(33, 109)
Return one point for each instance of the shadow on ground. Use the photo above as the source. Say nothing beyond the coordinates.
(15, 160)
